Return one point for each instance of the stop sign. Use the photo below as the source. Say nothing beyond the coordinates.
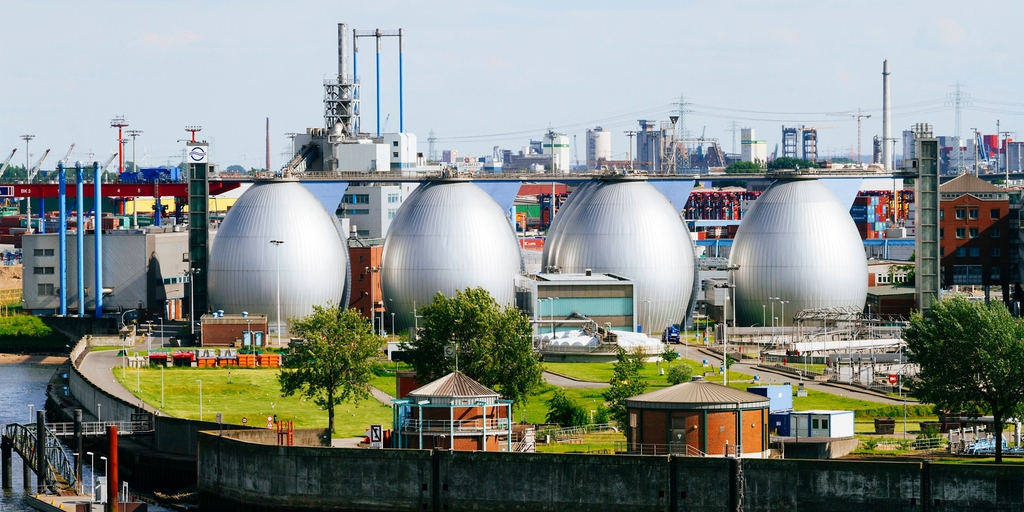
(893, 378)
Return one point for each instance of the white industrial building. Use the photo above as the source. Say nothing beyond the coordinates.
(141, 269)
(557, 145)
(599, 147)
(753, 150)
(371, 208)
(323, 151)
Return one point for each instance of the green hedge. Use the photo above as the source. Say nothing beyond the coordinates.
(28, 334)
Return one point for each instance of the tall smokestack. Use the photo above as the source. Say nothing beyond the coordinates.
(886, 119)
(268, 144)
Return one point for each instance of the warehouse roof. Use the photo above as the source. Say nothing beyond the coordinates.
(968, 184)
(697, 394)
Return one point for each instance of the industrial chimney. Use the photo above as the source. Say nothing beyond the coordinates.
(887, 156)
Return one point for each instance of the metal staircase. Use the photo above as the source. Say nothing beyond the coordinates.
(60, 471)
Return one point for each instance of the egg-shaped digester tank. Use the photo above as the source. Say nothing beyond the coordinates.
(627, 227)
(448, 235)
(311, 263)
(797, 243)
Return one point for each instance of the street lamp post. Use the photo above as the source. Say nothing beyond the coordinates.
(773, 299)
(277, 244)
(107, 493)
(200, 399)
(190, 273)
(392, 325)
(162, 385)
(92, 472)
(782, 321)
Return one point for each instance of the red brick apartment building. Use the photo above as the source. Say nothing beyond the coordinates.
(366, 286)
(976, 244)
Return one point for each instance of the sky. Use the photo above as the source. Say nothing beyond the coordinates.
(487, 73)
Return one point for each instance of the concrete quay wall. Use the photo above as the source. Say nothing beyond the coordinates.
(236, 475)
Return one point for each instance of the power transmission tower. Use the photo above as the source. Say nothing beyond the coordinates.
(734, 127)
(431, 148)
(681, 111)
(958, 99)
(575, 152)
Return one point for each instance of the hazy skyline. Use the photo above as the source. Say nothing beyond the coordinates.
(492, 73)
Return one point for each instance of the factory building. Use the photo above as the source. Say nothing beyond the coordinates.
(371, 208)
(367, 294)
(316, 151)
(599, 147)
(141, 269)
(567, 302)
(648, 146)
(557, 145)
(752, 150)
(974, 235)
(698, 418)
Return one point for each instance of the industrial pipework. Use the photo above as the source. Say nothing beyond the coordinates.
(97, 184)
(377, 34)
(62, 234)
(80, 236)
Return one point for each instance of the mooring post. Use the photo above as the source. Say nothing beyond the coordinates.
(6, 459)
(26, 475)
(78, 449)
(112, 483)
(41, 452)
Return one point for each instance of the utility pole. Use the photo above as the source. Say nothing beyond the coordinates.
(630, 134)
(733, 127)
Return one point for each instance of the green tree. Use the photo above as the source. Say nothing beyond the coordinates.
(670, 354)
(743, 168)
(334, 361)
(680, 373)
(564, 411)
(625, 383)
(495, 344)
(971, 357)
(786, 162)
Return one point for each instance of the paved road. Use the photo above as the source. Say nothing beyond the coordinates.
(769, 377)
(565, 382)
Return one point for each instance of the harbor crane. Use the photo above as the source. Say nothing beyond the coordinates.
(31, 172)
(68, 156)
(8, 161)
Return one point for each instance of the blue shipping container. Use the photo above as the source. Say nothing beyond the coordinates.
(778, 424)
(780, 398)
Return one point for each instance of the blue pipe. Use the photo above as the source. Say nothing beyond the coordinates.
(378, 86)
(80, 237)
(42, 211)
(156, 212)
(62, 235)
(97, 185)
(401, 99)
(355, 77)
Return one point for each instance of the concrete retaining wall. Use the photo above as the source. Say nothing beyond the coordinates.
(111, 407)
(238, 475)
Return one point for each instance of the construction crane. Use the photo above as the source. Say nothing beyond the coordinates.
(859, 117)
(7, 162)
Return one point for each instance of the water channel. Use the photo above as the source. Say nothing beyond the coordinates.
(23, 385)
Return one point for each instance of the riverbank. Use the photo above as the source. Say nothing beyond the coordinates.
(31, 359)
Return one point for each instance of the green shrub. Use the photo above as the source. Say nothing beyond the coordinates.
(669, 355)
(25, 333)
(680, 373)
(564, 411)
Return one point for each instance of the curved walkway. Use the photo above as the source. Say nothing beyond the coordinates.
(567, 382)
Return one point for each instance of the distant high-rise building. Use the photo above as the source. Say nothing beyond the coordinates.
(449, 155)
(752, 150)
(599, 147)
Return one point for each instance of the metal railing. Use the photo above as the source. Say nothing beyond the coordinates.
(442, 426)
(99, 428)
(60, 471)
(681, 449)
(559, 434)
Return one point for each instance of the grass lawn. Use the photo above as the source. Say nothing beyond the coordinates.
(536, 408)
(598, 442)
(253, 394)
(602, 372)
(385, 384)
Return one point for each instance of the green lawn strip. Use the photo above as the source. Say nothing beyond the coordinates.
(536, 408)
(597, 442)
(602, 372)
(385, 383)
(25, 334)
(252, 394)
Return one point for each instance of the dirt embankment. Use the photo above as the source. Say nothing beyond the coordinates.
(20, 358)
